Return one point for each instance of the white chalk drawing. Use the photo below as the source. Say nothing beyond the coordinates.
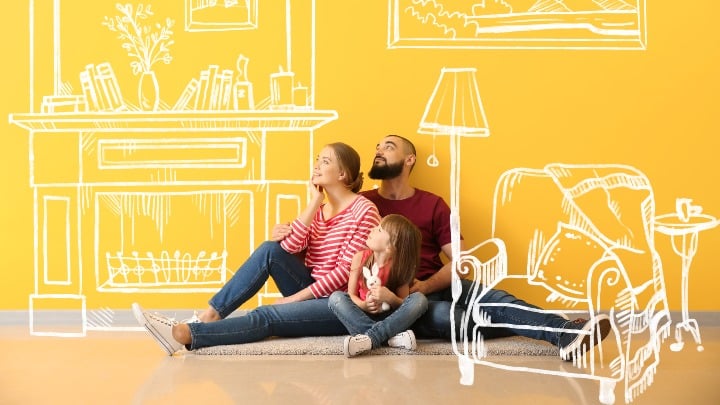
(478, 24)
(605, 215)
(602, 223)
(160, 197)
(221, 15)
(683, 226)
(145, 44)
(165, 197)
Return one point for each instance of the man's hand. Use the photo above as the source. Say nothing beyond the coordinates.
(280, 232)
(419, 286)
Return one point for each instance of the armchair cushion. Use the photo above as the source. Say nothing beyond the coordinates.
(608, 201)
(565, 261)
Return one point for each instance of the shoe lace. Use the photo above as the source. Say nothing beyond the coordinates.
(579, 321)
(164, 319)
(193, 319)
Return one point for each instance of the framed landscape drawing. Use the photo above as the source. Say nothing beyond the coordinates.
(482, 24)
(220, 15)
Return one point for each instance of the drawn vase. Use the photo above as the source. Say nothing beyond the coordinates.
(148, 92)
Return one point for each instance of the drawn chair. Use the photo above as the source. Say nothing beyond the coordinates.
(583, 236)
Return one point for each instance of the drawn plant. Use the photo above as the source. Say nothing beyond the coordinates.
(146, 45)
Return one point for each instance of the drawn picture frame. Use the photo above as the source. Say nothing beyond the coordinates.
(221, 15)
(516, 24)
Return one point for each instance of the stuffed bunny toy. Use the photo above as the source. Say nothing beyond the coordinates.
(371, 278)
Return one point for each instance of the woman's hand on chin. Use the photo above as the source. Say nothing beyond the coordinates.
(317, 193)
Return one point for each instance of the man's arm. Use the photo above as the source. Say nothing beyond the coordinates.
(440, 280)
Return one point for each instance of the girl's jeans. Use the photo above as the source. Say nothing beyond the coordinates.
(379, 327)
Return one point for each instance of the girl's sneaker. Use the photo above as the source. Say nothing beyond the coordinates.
(355, 345)
(403, 340)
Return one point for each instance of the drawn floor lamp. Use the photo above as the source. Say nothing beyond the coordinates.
(454, 110)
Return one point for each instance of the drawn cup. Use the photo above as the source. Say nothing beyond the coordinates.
(686, 210)
(300, 95)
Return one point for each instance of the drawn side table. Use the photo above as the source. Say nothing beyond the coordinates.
(683, 230)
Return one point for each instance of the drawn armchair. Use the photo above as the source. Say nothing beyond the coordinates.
(583, 236)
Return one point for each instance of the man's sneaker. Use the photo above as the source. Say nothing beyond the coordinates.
(403, 340)
(357, 344)
(159, 327)
(576, 344)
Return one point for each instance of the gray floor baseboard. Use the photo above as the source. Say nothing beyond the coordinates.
(97, 319)
(125, 318)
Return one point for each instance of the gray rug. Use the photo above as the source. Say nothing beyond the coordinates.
(333, 345)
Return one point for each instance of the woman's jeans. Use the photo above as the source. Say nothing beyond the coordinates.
(304, 318)
(268, 260)
(435, 323)
(379, 327)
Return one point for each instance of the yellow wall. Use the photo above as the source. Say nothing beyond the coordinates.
(653, 109)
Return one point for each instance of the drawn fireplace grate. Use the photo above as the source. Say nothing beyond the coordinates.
(168, 241)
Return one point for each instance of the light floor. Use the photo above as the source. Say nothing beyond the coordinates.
(128, 368)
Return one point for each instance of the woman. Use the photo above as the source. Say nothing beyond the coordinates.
(330, 233)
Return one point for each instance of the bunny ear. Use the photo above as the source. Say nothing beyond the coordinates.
(375, 269)
(366, 272)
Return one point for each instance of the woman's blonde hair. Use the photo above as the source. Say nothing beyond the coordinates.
(349, 161)
(405, 240)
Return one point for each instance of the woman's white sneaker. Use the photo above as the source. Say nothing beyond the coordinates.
(403, 340)
(192, 319)
(159, 327)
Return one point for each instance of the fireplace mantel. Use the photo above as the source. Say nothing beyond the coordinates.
(182, 121)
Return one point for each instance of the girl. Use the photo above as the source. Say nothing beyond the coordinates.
(328, 232)
(393, 255)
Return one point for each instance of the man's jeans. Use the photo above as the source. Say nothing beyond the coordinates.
(304, 318)
(435, 323)
(379, 327)
(268, 260)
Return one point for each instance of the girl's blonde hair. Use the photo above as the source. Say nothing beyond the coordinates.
(405, 240)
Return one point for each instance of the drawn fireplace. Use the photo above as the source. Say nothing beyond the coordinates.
(132, 204)
(168, 205)
(137, 229)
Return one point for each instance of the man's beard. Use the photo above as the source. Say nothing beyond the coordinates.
(386, 172)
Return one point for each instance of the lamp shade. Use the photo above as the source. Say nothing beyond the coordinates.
(455, 108)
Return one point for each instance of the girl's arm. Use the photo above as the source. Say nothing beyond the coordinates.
(355, 274)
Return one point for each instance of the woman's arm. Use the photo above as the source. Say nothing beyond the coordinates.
(302, 295)
(298, 237)
(333, 276)
(316, 198)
